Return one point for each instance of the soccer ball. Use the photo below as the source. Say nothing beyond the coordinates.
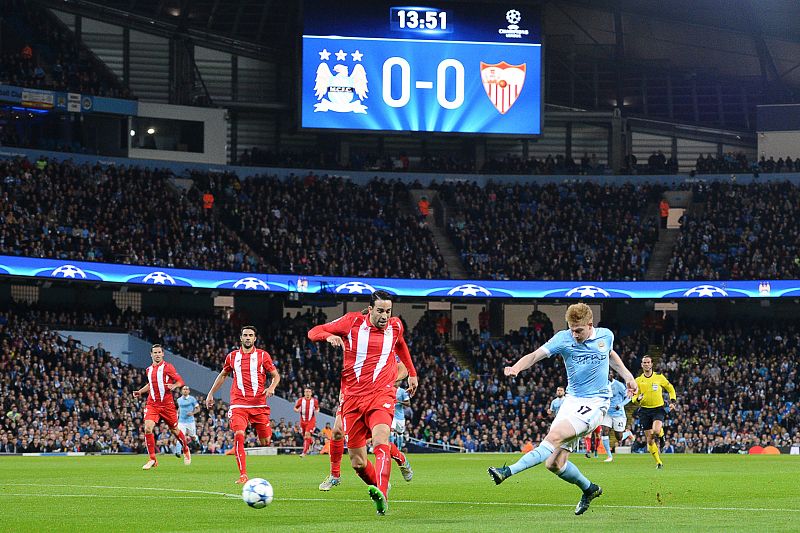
(257, 493)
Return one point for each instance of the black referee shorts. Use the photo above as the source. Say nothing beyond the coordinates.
(647, 415)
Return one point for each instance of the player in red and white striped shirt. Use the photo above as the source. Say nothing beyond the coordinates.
(249, 392)
(368, 375)
(308, 407)
(162, 379)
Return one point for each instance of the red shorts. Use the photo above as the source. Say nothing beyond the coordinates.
(258, 417)
(166, 411)
(362, 413)
(308, 427)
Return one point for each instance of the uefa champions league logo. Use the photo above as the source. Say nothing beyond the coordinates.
(513, 16)
(355, 287)
(588, 291)
(68, 271)
(159, 278)
(706, 291)
(469, 289)
(251, 284)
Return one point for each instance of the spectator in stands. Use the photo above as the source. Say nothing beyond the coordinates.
(663, 209)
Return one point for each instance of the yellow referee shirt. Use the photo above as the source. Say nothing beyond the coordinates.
(651, 389)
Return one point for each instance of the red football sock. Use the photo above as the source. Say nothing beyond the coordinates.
(337, 450)
(368, 474)
(397, 455)
(383, 467)
(182, 438)
(150, 439)
(306, 444)
(241, 457)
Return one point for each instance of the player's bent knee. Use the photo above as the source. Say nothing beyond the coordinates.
(337, 435)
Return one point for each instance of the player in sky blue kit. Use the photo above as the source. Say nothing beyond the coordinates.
(399, 422)
(615, 417)
(587, 352)
(555, 405)
(188, 406)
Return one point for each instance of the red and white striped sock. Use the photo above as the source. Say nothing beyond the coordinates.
(337, 450)
(396, 454)
(182, 438)
(383, 467)
(241, 457)
(150, 439)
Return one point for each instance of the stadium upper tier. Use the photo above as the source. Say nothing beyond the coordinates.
(330, 226)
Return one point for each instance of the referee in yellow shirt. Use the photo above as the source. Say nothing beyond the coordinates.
(651, 405)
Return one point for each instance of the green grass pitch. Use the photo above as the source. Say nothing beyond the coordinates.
(448, 493)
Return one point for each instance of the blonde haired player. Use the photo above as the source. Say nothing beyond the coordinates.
(588, 353)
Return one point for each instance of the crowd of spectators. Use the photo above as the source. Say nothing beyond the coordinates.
(38, 52)
(114, 214)
(736, 385)
(743, 232)
(738, 162)
(56, 396)
(580, 231)
(328, 226)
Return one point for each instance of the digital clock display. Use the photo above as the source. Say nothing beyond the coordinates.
(412, 19)
(461, 68)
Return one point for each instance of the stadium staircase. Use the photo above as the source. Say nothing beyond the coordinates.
(667, 237)
(456, 351)
(436, 224)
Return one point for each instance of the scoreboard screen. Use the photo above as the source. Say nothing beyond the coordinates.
(439, 67)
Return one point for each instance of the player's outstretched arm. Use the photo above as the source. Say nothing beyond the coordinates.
(526, 361)
(332, 332)
(618, 366)
(223, 375)
(139, 392)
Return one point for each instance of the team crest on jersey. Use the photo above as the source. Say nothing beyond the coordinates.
(338, 89)
(601, 344)
(503, 83)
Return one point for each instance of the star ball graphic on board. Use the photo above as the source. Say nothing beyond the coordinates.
(341, 92)
(68, 271)
(251, 284)
(588, 291)
(158, 278)
(503, 83)
(469, 289)
(706, 291)
(355, 287)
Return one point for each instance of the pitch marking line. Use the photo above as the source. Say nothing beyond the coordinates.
(340, 500)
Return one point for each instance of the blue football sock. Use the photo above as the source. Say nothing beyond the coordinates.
(571, 474)
(533, 457)
(607, 445)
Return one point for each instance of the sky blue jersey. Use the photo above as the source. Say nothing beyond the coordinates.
(586, 362)
(619, 397)
(399, 410)
(185, 408)
(555, 405)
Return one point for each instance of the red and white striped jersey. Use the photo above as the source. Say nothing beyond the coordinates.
(249, 373)
(159, 376)
(369, 363)
(308, 408)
